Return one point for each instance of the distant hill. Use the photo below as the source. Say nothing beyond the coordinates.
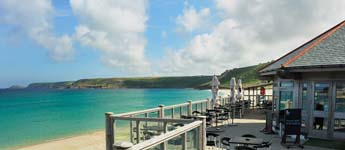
(247, 74)
(144, 82)
(15, 87)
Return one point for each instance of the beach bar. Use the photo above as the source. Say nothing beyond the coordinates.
(312, 78)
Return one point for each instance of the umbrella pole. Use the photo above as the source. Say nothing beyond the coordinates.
(232, 115)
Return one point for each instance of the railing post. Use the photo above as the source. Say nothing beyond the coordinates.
(109, 131)
(161, 111)
(165, 130)
(137, 125)
(184, 141)
(202, 133)
(208, 104)
(190, 108)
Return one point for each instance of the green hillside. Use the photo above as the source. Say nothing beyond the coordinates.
(247, 74)
(144, 82)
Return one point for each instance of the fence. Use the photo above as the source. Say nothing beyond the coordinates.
(161, 116)
(165, 121)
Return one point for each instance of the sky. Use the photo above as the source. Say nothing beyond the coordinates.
(66, 40)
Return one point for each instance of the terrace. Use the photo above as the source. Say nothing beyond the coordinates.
(184, 126)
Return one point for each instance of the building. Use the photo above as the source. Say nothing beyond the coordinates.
(312, 77)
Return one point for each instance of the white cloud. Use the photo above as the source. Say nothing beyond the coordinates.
(34, 19)
(115, 28)
(192, 20)
(251, 32)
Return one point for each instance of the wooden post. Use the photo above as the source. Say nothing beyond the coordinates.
(202, 133)
(165, 130)
(131, 129)
(201, 107)
(137, 124)
(184, 141)
(181, 113)
(109, 131)
(190, 108)
(161, 111)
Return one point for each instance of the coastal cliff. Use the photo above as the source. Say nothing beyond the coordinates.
(247, 74)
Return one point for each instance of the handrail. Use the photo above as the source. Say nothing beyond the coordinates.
(152, 119)
(177, 105)
(139, 112)
(167, 136)
(165, 107)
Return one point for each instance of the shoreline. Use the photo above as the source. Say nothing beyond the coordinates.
(83, 141)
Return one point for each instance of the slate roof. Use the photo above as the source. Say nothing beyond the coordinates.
(327, 49)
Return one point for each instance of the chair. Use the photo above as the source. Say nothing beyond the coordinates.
(211, 139)
(208, 121)
(224, 117)
(225, 142)
(187, 117)
(249, 135)
(243, 148)
(195, 113)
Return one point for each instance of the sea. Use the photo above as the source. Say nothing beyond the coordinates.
(34, 116)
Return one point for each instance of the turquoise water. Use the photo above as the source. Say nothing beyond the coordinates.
(34, 116)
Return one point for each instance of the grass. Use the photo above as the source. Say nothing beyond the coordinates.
(334, 144)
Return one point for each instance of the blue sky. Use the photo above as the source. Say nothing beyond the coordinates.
(59, 40)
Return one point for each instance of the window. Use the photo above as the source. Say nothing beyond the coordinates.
(321, 97)
(340, 97)
(286, 98)
(286, 84)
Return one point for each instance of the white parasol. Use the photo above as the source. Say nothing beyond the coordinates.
(232, 90)
(239, 90)
(215, 87)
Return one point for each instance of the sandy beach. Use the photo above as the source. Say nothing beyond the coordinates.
(91, 141)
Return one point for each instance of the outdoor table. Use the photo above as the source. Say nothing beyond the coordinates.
(246, 141)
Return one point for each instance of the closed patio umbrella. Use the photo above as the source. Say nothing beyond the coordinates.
(232, 90)
(239, 95)
(232, 99)
(215, 87)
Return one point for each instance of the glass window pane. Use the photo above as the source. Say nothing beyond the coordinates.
(286, 84)
(340, 98)
(339, 125)
(285, 99)
(320, 123)
(321, 97)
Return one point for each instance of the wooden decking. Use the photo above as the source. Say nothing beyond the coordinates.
(252, 123)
